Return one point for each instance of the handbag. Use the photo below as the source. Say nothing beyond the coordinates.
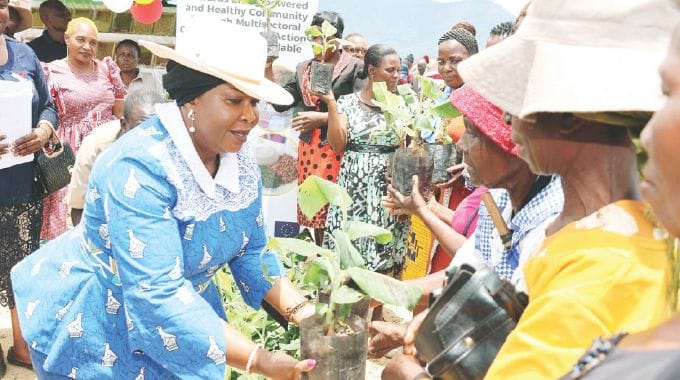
(52, 169)
(468, 322)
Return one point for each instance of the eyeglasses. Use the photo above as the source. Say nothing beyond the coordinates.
(357, 50)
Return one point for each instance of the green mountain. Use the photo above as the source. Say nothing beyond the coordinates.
(415, 26)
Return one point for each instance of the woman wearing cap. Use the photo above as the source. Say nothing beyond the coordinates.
(351, 121)
(653, 354)
(20, 17)
(128, 293)
(316, 156)
(20, 210)
(604, 266)
(88, 93)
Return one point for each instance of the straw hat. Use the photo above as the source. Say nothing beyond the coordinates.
(236, 56)
(24, 9)
(578, 56)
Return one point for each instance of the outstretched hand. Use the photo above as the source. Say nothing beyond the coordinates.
(412, 331)
(326, 98)
(282, 367)
(385, 337)
(309, 120)
(404, 367)
(30, 143)
(399, 204)
(455, 171)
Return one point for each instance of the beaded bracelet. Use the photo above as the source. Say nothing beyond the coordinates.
(291, 311)
(251, 357)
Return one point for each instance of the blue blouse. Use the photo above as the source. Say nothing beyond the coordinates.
(129, 291)
(16, 182)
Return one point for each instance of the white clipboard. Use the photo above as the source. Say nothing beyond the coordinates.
(15, 116)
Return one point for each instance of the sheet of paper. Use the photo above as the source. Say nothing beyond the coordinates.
(15, 117)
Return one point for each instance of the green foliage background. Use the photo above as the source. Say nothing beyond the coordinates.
(257, 324)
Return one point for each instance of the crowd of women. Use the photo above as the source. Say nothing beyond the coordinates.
(549, 116)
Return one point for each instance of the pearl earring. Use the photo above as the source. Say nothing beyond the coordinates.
(192, 117)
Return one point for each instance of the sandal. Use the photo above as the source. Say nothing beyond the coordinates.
(11, 359)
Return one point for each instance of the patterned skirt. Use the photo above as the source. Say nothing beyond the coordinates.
(363, 176)
(19, 237)
(316, 158)
(54, 215)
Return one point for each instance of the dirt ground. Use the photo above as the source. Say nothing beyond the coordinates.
(13, 372)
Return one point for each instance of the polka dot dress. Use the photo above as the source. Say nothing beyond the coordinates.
(316, 158)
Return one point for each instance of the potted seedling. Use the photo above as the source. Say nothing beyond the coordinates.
(267, 7)
(436, 105)
(407, 115)
(334, 337)
(403, 119)
(323, 42)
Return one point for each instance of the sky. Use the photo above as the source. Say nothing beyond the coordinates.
(414, 26)
(512, 6)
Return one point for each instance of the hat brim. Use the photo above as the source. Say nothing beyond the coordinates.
(263, 89)
(26, 18)
(524, 77)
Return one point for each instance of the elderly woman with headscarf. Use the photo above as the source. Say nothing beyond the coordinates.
(604, 266)
(129, 291)
(527, 202)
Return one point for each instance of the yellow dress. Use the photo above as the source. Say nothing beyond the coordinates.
(608, 272)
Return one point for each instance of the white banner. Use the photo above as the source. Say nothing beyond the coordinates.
(275, 146)
(15, 117)
(274, 141)
(290, 19)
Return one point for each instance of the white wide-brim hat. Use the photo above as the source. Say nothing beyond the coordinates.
(24, 9)
(234, 55)
(579, 56)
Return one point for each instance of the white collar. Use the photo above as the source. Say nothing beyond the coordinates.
(227, 174)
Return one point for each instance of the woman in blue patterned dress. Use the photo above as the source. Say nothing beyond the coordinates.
(352, 121)
(127, 294)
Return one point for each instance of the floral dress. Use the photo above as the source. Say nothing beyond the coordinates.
(128, 293)
(362, 174)
(84, 101)
(315, 156)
